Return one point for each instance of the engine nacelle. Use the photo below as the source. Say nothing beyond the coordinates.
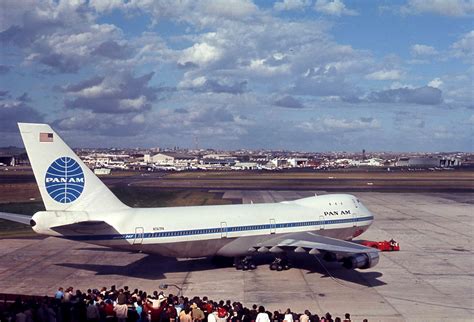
(362, 261)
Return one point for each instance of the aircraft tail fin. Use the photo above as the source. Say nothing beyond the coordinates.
(64, 181)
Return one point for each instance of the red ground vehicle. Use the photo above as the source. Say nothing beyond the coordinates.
(384, 246)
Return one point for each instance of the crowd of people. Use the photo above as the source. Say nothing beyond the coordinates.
(124, 305)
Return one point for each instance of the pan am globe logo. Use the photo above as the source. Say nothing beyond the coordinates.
(64, 180)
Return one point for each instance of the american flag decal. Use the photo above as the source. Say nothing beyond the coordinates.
(46, 137)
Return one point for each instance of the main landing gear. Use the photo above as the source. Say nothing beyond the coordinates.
(280, 264)
(245, 263)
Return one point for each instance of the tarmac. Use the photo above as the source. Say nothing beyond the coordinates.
(430, 279)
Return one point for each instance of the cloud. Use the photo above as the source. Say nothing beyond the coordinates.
(423, 50)
(231, 9)
(333, 8)
(288, 101)
(199, 54)
(120, 93)
(436, 83)
(107, 5)
(202, 121)
(62, 36)
(201, 84)
(112, 50)
(14, 111)
(422, 95)
(454, 8)
(338, 125)
(24, 98)
(464, 47)
(74, 88)
(291, 5)
(5, 69)
(110, 125)
(324, 81)
(392, 74)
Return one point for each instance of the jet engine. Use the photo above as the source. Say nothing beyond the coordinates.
(362, 261)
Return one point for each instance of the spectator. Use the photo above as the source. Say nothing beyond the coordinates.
(212, 316)
(109, 310)
(196, 313)
(347, 317)
(20, 317)
(185, 315)
(253, 312)
(171, 312)
(276, 316)
(262, 316)
(328, 317)
(222, 313)
(92, 312)
(121, 311)
(121, 297)
(288, 316)
(305, 316)
(68, 294)
(59, 295)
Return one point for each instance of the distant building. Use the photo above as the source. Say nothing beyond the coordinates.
(279, 162)
(173, 159)
(102, 171)
(402, 162)
(373, 162)
(297, 162)
(147, 158)
(245, 166)
(428, 162)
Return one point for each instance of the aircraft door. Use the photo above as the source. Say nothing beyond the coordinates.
(272, 226)
(321, 222)
(354, 214)
(139, 233)
(223, 229)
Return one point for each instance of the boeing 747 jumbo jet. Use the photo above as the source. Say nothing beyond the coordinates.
(80, 207)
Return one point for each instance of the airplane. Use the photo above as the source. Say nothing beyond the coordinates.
(80, 207)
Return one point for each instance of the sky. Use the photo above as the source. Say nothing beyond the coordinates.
(306, 75)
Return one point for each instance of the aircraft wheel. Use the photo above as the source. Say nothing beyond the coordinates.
(253, 266)
(279, 268)
(245, 267)
(273, 267)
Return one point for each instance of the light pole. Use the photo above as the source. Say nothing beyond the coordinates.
(164, 286)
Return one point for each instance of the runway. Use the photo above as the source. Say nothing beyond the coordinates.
(431, 278)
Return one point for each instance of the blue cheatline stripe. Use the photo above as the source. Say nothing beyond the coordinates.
(219, 230)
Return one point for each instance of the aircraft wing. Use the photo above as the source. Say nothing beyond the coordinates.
(351, 254)
(309, 241)
(22, 219)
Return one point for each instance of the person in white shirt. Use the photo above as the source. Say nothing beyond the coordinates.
(262, 316)
(212, 317)
(288, 316)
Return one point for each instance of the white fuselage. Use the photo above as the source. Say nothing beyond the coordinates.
(227, 230)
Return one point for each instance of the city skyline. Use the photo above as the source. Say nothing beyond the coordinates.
(288, 75)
